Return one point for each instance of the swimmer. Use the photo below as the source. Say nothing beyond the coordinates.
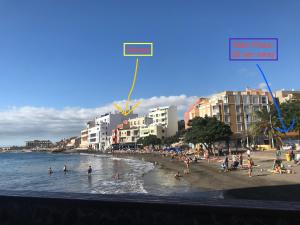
(65, 169)
(50, 171)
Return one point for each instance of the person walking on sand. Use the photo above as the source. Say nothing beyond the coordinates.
(241, 160)
(226, 162)
(250, 166)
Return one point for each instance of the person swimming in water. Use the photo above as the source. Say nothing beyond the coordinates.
(90, 170)
(65, 168)
(50, 171)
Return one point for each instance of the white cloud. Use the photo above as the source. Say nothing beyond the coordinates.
(18, 124)
(263, 86)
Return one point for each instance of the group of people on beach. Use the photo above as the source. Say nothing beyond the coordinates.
(65, 170)
(237, 161)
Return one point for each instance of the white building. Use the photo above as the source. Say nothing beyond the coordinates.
(101, 130)
(165, 117)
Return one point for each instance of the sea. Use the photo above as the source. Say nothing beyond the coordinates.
(28, 171)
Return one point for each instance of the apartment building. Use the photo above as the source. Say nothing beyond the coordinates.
(235, 108)
(285, 95)
(167, 118)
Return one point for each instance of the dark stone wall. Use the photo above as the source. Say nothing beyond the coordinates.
(31, 208)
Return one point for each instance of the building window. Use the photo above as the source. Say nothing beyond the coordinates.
(227, 119)
(247, 109)
(246, 99)
(93, 140)
(237, 99)
(239, 118)
(239, 127)
(225, 99)
(255, 99)
(226, 109)
(238, 109)
(263, 99)
(248, 118)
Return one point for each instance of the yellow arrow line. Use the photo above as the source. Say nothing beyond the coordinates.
(133, 83)
(126, 112)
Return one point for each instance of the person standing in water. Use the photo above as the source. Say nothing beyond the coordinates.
(65, 168)
(50, 170)
(90, 170)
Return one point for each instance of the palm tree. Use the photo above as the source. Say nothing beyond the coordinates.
(265, 121)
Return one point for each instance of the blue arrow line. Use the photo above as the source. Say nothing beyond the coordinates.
(284, 129)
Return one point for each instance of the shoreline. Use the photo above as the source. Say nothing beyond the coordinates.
(207, 180)
(207, 177)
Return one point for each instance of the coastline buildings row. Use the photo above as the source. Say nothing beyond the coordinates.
(114, 130)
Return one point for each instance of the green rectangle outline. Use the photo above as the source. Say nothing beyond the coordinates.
(139, 43)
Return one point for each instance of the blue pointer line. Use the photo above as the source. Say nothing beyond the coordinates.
(283, 129)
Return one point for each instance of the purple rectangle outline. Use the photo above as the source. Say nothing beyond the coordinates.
(276, 59)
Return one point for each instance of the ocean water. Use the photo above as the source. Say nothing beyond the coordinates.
(23, 171)
(29, 171)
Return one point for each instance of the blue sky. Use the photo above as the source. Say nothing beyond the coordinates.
(68, 53)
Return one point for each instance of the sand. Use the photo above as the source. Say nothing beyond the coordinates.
(206, 176)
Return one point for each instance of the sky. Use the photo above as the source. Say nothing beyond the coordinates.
(61, 61)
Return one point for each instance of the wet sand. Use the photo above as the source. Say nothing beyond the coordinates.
(206, 176)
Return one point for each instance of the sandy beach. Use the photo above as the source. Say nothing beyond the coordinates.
(206, 176)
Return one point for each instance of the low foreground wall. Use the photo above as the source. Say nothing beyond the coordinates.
(30, 208)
